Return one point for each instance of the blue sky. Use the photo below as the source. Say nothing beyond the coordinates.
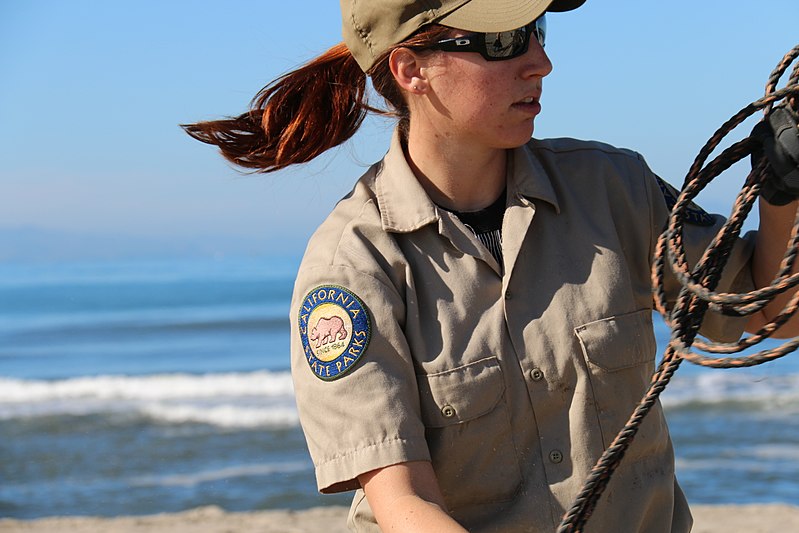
(91, 95)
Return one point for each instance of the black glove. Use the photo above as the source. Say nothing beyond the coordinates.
(777, 138)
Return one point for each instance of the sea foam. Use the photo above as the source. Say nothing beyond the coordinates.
(226, 474)
(735, 389)
(255, 399)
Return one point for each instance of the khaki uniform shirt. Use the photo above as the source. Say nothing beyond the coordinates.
(411, 343)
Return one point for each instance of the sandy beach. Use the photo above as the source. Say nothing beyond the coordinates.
(708, 519)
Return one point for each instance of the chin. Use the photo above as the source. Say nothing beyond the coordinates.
(525, 134)
(519, 140)
(508, 138)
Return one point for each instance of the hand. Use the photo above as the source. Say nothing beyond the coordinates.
(777, 138)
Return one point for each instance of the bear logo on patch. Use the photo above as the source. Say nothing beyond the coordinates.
(334, 330)
(328, 330)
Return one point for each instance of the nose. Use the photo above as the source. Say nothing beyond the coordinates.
(536, 60)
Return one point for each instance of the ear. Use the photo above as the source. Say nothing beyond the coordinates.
(409, 70)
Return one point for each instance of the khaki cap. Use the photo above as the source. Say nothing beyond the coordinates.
(371, 27)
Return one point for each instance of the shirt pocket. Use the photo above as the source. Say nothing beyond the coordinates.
(619, 352)
(469, 434)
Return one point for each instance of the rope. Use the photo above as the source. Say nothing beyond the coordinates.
(697, 295)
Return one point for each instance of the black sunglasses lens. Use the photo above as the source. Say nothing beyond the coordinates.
(510, 44)
(506, 44)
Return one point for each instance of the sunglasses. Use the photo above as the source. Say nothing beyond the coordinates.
(497, 46)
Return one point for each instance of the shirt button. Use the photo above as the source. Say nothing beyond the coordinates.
(556, 456)
(448, 411)
(536, 374)
(508, 295)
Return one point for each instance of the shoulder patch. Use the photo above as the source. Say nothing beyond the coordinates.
(693, 214)
(334, 329)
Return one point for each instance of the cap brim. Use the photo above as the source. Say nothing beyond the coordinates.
(565, 5)
(502, 15)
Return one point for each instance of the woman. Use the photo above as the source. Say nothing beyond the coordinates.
(472, 323)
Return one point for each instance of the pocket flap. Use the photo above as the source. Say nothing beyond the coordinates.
(461, 394)
(619, 342)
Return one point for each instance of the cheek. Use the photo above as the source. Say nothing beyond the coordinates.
(481, 96)
(468, 84)
(489, 101)
(474, 95)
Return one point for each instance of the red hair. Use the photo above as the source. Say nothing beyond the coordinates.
(306, 112)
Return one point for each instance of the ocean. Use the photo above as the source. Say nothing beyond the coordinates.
(143, 387)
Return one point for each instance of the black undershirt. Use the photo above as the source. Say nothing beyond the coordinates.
(486, 224)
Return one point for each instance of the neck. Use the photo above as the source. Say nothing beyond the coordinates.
(455, 175)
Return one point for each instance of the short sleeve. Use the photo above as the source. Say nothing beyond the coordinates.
(699, 232)
(354, 378)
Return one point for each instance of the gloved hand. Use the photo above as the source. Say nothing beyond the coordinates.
(777, 138)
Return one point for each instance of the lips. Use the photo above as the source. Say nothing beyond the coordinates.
(529, 104)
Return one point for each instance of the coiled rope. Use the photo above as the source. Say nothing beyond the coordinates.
(697, 294)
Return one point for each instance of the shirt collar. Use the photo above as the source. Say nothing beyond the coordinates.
(529, 178)
(405, 206)
(403, 202)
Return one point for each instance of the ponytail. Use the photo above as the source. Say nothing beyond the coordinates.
(295, 118)
(310, 110)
